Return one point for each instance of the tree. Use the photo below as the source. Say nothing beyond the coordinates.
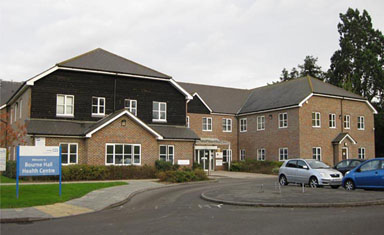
(358, 65)
(11, 133)
(309, 67)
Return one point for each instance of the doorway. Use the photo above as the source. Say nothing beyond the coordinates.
(206, 158)
(344, 153)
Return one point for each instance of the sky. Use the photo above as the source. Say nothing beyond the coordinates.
(234, 43)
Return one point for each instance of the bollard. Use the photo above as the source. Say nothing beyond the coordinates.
(303, 188)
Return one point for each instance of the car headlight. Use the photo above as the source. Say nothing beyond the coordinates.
(323, 174)
(347, 172)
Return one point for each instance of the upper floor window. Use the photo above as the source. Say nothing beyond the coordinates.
(227, 153)
(332, 120)
(283, 154)
(207, 124)
(347, 122)
(283, 120)
(361, 153)
(261, 154)
(69, 153)
(260, 123)
(167, 153)
(242, 154)
(316, 153)
(360, 123)
(159, 111)
(98, 106)
(131, 105)
(316, 119)
(188, 125)
(227, 125)
(65, 105)
(20, 107)
(243, 125)
(10, 116)
(123, 154)
(16, 108)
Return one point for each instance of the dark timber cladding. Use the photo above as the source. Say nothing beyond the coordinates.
(85, 85)
(196, 106)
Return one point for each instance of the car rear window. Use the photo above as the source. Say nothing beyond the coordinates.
(355, 163)
(292, 163)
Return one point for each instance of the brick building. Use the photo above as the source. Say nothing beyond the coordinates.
(104, 109)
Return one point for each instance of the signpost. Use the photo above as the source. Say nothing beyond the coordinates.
(38, 161)
(3, 157)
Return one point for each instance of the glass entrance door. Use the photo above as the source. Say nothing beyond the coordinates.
(206, 159)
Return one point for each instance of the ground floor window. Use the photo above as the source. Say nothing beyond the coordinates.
(283, 154)
(167, 153)
(261, 154)
(361, 153)
(69, 153)
(123, 154)
(316, 153)
(227, 154)
(242, 154)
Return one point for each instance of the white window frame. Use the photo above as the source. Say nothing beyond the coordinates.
(69, 153)
(242, 154)
(316, 153)
(347, 122)
(260, 123)
(261, 154)
(316, 119)
(361, 153)
(332, 120)
(158, 105)
(361, 123)
(130, 107)
(227, 125)
(21, 108)
(15, 110)
(10, 118)
(283, 154)
(65, 114)
(114, 154)
(167, 154)
(283, 122)
(187, 122)
(243, 125)
(98, 107)
(228, 155)
(207, 124)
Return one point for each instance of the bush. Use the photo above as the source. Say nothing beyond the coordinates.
(10, 170)
(180, 176)
(255, 166)
(197, 166)
(165, 166)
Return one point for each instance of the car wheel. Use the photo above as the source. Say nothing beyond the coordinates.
(335, 186)
(313, 182)
(283, 180)
(349, 185)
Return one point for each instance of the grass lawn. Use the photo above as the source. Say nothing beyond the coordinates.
(4, 179)
(45, 194)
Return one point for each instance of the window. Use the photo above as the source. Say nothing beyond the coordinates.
(283, 120)
(332, 120)
(227, 125)
(123, 154)
(283, 154)
(167, 153)
(98, 106)
(131, 105)
(188, 122)
(16, 108)
(227, 154)
(316, 119)
(242, 154)
(361, 153)
(260, 123)
(347, 122)
(370, 166)
(316, 153)
(64, 105)
(159, 113)
(10, 117)
(243, 125)
(69, 153)
(360, 123)
(301, 164)
(261, 154)
(292, 164)
(21, 107)
(207, 124)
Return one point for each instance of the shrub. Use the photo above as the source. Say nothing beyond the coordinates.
(179, 176)
(197, 166)
(10, 170)
(255, 166)
(165, 166)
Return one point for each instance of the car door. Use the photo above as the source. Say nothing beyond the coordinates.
(302, 172)
(342, 166)
(368, 174)
(290, 170)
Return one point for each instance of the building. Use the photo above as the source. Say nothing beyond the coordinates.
(103, 109)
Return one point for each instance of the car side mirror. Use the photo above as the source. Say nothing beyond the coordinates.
(305, 167)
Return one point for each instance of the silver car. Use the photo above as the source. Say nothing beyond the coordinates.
(309, 171)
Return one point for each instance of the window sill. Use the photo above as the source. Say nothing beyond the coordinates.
(207, 130)
(227, 131)
(284, 127)
(360, 129)
(316, 126)
(243, 131)
(159, 121)
(98, 115)
(260, 129)
(65, 115)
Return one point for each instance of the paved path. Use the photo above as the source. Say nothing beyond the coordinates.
(93, 201)
(240, 175)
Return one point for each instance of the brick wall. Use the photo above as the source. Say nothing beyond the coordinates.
(81, 151)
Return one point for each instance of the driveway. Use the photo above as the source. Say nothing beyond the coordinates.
(240, 175)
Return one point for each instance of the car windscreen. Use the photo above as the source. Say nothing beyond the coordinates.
(317, 164)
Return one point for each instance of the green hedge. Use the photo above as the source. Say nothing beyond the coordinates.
(165, 166)
(179, 176)
(255, 166)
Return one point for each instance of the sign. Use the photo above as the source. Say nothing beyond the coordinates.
(219, 155)
(3, 157)
(182, 162)
(219, 162)
(40, 141)
(38, 161)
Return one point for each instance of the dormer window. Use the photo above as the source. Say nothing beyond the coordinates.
(131, 105)
(65, 105)
(98, 106)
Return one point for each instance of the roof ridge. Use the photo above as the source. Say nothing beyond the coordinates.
(310, 83)
(78, 56)
(199, 84)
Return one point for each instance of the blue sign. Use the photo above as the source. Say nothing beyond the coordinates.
(38, 161)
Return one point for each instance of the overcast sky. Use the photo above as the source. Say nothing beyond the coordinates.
(238, 43)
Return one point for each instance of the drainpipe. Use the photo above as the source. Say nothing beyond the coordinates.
(342, 116)
(114, 95)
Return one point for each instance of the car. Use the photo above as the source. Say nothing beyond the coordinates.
(347, 165)
(368, 175)
(309, 171)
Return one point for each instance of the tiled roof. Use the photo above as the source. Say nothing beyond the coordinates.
(7, 89)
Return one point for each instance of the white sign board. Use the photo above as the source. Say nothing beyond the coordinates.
(40, 141)
(219, 155)
(3, 157)
(219, 162)
(183, 162)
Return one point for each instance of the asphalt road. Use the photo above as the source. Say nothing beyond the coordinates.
(179, 210)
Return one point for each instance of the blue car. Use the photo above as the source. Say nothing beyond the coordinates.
(369, 174)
